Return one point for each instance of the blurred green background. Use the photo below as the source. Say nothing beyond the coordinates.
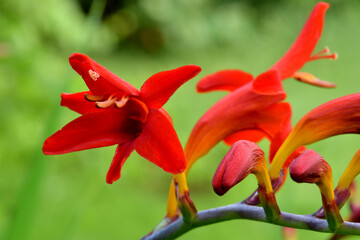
(66, 196)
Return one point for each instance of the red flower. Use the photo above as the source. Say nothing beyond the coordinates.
(123, 115)
(252, 110)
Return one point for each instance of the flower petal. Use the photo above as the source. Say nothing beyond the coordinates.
(92, 131)
(159, 143)
(99, 80)
(251, 135)
(227, 80)
(157, 90)
(123, 151)
(268, 83)
(270, 126)
(77, 103)
(300, 52)
(240, 110)
(339, 116)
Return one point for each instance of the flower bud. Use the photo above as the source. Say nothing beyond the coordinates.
(310, 167)
(243, 158)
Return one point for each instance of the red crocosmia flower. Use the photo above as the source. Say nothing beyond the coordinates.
(253, 107)
(115, 112)
(339, 116)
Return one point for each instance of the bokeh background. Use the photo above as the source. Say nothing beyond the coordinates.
(66, 197)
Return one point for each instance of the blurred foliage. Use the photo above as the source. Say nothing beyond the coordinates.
(66, 197)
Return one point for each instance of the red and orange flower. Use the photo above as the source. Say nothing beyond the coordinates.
(114, 112)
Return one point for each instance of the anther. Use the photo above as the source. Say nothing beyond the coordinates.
(107, 103)
(121, 103)
(93, 98)
(94, 75)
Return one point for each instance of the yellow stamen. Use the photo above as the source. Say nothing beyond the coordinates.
(120, 103)
(93, 98)
(107, 103)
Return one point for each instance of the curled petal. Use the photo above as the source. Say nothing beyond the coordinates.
(268, 83)
(77, 103)
(236, 165)
(159, 143)
(240, 110)
(157, 90)
(309, 167)
(301, 50)
(123, 151)
(227, 80)
(92, 131)
(339, 116)
(99, 80)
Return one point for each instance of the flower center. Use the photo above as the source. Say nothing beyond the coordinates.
(138, 108)
(102, 102)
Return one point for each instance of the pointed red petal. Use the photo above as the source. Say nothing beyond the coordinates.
(301, 50)
(92, 131)
(227, 80)
(99, 80)
(157, 90)
(77, 103)
(268, 83)
(123, 151)
(251, 135)
(159, 143)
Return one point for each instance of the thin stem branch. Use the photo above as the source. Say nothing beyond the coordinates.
(244, 211)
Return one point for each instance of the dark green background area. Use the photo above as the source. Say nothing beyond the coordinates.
(66, 196)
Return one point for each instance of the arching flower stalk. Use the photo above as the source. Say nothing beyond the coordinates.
(243, 158)
(310, 167)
